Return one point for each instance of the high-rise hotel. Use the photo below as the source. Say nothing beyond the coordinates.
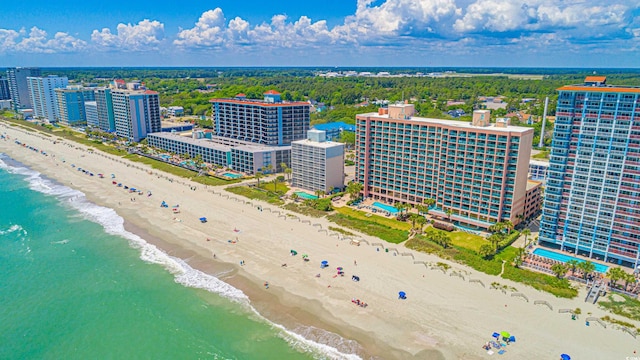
(592, 195)
(268, 122)
(476, 172)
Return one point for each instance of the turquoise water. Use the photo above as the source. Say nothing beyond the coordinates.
(76, 285)
(385, 207)
(304, 195)
(233, 176)
(564, 258)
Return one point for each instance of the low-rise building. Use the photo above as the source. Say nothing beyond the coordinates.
(175, 111)
(538, 170)
(317, 164)
(532, 200)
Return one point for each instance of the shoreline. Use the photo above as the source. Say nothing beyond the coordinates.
(444, 318)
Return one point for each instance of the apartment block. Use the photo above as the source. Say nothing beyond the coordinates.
(136, 113)
(43, 96)
(592, 194)
(104, 104)
(238, 155)
(5, 93)
(270, 121)
(71, 104)
(317, 164)
(18, 86)
(475, 171)
(91, 112)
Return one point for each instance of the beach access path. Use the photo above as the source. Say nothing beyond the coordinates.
(443, 317)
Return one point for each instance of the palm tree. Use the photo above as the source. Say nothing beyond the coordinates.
(294, 197)
(520, 253)
(614, 275)
(486, 251)
(400, 207)
(422, 209)
(275, 184)
(259, 175)
(573, 264)
(509, 226)
(448, 212)
(268, 168)
(526, 232)
(628, 278)
(354, 189)
(587, 268)
(319, 193)
(288, 171)
(284, 168)
(494, 239)
(421, 220)
(429, 202)
(559, 269)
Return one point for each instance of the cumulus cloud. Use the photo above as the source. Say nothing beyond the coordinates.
(540, 15)
(146, 35)
(38, 41)
(208, 31)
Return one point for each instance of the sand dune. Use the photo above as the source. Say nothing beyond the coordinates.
(444, 316)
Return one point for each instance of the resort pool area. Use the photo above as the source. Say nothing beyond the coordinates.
(165, 157)
(304, 195)
(385, 207)
(564, 258)
(233, 176)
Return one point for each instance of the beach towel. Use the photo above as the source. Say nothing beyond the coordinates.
(490, 352)
(501, 352)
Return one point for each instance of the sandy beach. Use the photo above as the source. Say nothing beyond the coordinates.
(443, 317)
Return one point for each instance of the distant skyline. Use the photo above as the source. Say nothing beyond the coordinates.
(429, 33)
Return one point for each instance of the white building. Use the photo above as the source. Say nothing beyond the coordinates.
(136, 113)
(538, 170)
(91, 112)
(175, 111)
(43, 96)
(317, 164)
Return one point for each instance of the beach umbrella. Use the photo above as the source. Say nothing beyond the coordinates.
(305, 256)
(495, 335)
(339, 268)
(293, 252)
(402, 294)
(203, 219)
(565, 357)
(505, 334)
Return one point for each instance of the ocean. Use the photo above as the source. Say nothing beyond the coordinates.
(74, 284)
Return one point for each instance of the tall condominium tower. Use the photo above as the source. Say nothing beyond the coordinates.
(18, 87)
(43, 96)
(475, 172)
(136, 113)
(104, 104)
(71, 104)
(592, 196)
(270, 121)
(317, 164)
(5, 93)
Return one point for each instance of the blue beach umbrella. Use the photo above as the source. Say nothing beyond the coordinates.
(402, 294)
(565, 357)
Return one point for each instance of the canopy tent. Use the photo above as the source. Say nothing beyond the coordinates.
(324, 264)
(293, 252)
(402, 295)
(203, 219)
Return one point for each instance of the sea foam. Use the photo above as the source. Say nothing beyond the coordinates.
(183, 274)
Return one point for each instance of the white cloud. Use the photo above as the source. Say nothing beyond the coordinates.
(146, 35)
(208, 31)
(8, 39)
(38, 42)
(540, 15)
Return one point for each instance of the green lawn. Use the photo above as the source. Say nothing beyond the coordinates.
(389, 222)
(627, 307)
(253, 193)
(466, 240)
(305, 210)
(370, 227)
(280, 187)
(178, 171)
(541, 155)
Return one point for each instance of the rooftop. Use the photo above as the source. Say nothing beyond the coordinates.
(324, 144)
(463, 125)
(219, 143)
(599, 84)
(259, 102)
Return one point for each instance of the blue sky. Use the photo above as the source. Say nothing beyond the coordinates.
(521, 33)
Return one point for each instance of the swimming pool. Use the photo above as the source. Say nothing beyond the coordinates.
(564, 258)
(233, 176)
(385, 207)
(304, 195)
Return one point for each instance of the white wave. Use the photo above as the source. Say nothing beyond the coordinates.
(65, 241)
(183, 273)
(13, 228)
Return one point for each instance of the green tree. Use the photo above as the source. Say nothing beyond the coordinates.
(587, 268)
(573, 265)
(614, 275)
(526, 232)
(486, 251)
(294, 197)
(559, 269)
(275, 182)
(429, 202)
(259, 175)
(495, 239)
(448, 212)
(354, 189)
